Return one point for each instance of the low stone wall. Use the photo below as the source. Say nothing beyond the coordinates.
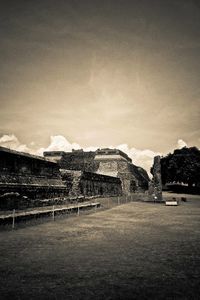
(26, 178)
(91, 184)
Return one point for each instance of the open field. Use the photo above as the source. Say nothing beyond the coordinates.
(132, 251)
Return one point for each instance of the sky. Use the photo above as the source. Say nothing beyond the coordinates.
(99, 74)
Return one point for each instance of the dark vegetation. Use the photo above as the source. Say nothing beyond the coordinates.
(180, 170)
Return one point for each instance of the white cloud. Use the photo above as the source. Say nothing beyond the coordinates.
(181, 144)
(59, 143)
(8, 140)
(11, 141)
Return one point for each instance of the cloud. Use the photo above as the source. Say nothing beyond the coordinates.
(181, 144)
(8, 139)
(59, 143)
(11, 141)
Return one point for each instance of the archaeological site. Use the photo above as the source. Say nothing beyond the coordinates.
(29, 181)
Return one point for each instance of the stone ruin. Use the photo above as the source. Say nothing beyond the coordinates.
(109, 162)
(155, 185)
(82, 183)
(27, 180)
(116, 163)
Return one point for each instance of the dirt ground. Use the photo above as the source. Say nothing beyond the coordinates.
(132, 251)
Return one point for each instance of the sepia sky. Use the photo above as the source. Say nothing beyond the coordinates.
(101, 72)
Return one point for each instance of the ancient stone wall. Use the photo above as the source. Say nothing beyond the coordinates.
(110, 162)
(90, 184)
(24, 176)
(155, 185)
(75, 160)
(107, 167)
(116, 163)
(113, 154)
(141, 177)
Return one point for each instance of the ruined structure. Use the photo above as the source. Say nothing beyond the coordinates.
(27, 180)
(155, 186)
(109, 162)
(24, 176)
(79, 171)
(75, 160)
(116, 163)
(82, 183)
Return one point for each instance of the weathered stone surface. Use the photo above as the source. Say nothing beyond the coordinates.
(90, 184)
(75, 160)
(110, 162)
(155, 186)
(27, 176)
(116, 163)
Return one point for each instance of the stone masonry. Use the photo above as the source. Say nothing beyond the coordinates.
(27, 178)
(109, 162)
(82, 183)
(155, 186)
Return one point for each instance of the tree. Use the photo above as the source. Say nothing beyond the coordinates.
(183, 166)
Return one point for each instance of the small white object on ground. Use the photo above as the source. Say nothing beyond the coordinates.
(171, 202)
